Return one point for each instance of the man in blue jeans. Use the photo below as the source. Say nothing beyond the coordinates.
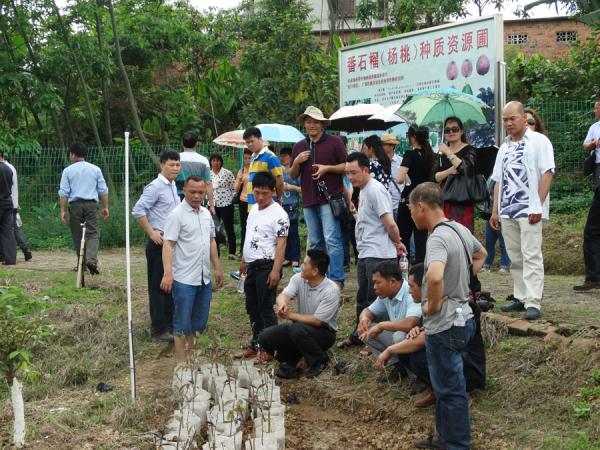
(189, 248)
(321, 158)
(452, 255)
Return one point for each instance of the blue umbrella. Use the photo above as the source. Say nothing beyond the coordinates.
(430, 107)
(275, 132)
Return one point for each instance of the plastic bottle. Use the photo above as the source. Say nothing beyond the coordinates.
(460, 319)
(403, 263)
(240, 284)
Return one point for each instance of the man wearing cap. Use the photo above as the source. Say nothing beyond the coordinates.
(389, 142)
(321, 158)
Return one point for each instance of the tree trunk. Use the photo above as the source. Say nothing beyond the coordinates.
(132, 104)
(333, 16)
(105, 103)
(16, 395)
(75, 60)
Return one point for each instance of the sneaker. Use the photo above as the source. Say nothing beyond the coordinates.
(235, 275)
(288, 372)
(248, 352)
(485, 269)
(164, 337)
(587, 285)
(27, 254)
(503, 270)
(532, 313)
(516, 305)
(431, 442)
(231, 257)
(317, 369)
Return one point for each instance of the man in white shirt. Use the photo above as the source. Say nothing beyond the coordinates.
(389, 143)
(189, 248)
(592, 141)
(313, 326)
(264, 248)
(193, 163)
(591, 232)
(523, 174)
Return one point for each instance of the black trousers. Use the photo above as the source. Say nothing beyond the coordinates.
(259, 300)
(225, 213)
(161, 303)
(591, 240)
(243, 208)
(291, 341)
(407, 229)
(7, 236)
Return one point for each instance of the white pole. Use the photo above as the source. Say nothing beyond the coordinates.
(128, 271)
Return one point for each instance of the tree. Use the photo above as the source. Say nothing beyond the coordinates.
(482, 4)
(409, 15)
(21, 330)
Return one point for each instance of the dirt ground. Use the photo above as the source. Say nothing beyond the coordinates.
(528, 380)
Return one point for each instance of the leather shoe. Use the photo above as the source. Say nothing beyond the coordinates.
(532, 314)
(587, 285)
(425, 401)
(93, 268)
(288, 372)
(316, 369)
(430, 442)
(248, 352)
(27, 254)
(516, 305)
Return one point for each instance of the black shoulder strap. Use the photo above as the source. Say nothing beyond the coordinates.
(467, 253)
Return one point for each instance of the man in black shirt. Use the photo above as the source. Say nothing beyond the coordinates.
(7, 220)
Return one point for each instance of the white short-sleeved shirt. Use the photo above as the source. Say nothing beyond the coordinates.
(395, 188)
(372, 239)
(192, 230)
(322, 301)
(594, 133)
(263, 227)
(518, 169)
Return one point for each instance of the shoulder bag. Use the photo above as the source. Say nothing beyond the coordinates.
(589, 164)
(337, 203)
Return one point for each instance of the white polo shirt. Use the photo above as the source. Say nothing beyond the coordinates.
(192, 230)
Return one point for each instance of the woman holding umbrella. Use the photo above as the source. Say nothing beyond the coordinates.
(456, 157)
(380, 166)
(417, 166)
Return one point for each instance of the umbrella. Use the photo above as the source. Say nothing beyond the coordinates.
(231, 139)
(387, 117)
(430, 107)
(275, 132)
(355, 118)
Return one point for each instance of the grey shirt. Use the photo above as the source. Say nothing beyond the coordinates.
(372, 239)
(192, 230)
(322, 301)
(445, 245)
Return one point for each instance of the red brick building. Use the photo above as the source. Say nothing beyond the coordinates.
(551, 37)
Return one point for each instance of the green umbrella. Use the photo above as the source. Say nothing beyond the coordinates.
(431, 107)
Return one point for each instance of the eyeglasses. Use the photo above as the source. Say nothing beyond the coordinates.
(452, 130)
(531, 122)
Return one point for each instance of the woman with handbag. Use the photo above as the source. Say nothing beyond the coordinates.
(224, 191)
(417, 167)
(241, 181)
(457, 158)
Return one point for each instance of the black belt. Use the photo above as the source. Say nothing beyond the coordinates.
(259, 263)
(82, 201)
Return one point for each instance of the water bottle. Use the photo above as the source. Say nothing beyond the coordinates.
(460, 319)
(403, 263)
(240, 284)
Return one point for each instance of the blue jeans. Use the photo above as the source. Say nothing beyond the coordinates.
(491, 236)
(445, 361)
(192, 304)
(325, 233)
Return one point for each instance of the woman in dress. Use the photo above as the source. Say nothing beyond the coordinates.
(240, 186)
(223, 187)
(380, 166)
(456, 157)
(417, 167)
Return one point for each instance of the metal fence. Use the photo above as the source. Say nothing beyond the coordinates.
(39, 172)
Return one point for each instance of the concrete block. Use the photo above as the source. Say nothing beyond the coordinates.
(274, 409)
(219, 442)
(213, 369)
(267, 442)
(277, 434)
(519, 327)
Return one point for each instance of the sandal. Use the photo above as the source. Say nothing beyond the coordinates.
(366, 351)
(347, 342)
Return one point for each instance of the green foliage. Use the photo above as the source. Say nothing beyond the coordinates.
(410, 15)
(366, 12)
(21, 330)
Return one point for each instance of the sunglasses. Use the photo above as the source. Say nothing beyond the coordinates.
(452, 130)
(531, 122)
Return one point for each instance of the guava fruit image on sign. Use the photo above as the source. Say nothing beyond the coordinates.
(483, 65)
(467, 68)
(452, 71)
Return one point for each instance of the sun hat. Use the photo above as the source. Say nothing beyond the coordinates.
(389, 139)
(315, 113)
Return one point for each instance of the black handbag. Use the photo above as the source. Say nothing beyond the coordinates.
(337, 203)
(589, 164)
(236, 198)
(465, 189)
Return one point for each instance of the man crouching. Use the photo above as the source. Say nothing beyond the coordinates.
(312, 329)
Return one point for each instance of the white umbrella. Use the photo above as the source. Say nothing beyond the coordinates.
(388, 115)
